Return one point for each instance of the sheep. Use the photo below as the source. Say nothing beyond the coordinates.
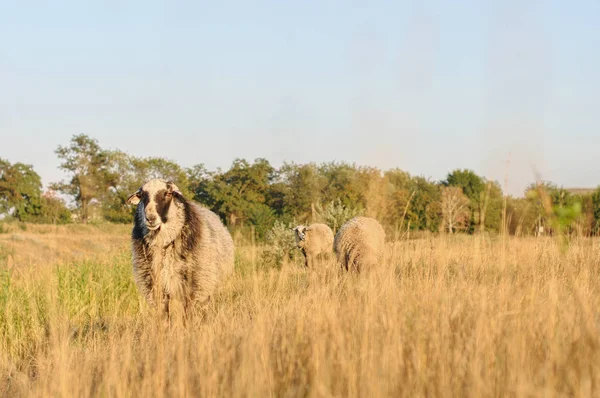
(314, 240)
(359, 244)
(180, 251)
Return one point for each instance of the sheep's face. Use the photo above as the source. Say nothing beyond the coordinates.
(157, 203)
(300, 234)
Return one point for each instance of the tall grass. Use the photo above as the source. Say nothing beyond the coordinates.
(448, 316)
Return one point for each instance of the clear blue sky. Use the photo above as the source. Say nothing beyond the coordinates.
(426, 86)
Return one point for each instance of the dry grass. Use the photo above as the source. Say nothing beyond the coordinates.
(453, 316)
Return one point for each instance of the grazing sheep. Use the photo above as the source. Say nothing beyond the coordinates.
(314, 240)
(181, 251)
(359, 244)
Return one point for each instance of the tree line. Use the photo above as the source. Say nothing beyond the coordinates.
(256, 194)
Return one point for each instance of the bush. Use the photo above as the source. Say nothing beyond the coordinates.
(263, 218)
(53, 210)
(335, 214)
(281, 244)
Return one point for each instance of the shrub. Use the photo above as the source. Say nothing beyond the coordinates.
(280, 245)
(335, 214)
(263, 218)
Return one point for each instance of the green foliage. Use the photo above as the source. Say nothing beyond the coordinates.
(521, 216)
(280, 245)
(595, 210)
(130, 173)
(90, 290)
(145, 169)
(472, 185)
(300, 189)
(557, 209)
(237, 193)
(91, 175)
(23, 316)
(263, 218)
(566, 215)
(493, 201)
(256, 194)
(53, 211)
(425, 208)
(485, 197)
(416, 199)
(340, 183)
(335, 213)
(20, 191)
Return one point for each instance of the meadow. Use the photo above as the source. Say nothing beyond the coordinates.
(447, 316)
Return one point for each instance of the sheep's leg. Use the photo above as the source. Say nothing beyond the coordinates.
(348, 262)
(194, 301)
(164, 308)
(145, 282)
(177, 311)
(188, 292)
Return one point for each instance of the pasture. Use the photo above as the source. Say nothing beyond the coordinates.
(448, 316)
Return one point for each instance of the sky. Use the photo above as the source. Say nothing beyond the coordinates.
(508, 89)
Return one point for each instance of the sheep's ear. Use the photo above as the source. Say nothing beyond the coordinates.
(175, 192)
(135, 198)
(306, 229)
(178, 195)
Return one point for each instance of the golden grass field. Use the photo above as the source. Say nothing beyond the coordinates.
(448, 316)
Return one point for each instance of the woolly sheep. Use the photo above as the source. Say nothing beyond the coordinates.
(314, 240)
(359, 244)
(181, 251)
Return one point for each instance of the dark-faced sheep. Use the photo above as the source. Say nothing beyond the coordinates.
(314, 240)
(181, 251)
(359, 244)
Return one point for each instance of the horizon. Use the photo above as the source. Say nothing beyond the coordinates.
(427, 88)
(572, 189)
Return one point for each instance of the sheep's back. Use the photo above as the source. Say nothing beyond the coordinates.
(216, 245)
(360, 243)
(321, 238)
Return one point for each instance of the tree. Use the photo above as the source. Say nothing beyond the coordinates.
(522, 216)
(89, 167)
(425, 206)
(237, 193)
(455, 209)
(20, 191)
(373, 186)
(300, 189)
(485, 199)
(397, 178)
(341, 183)
(556, 208)
(596, 210)
(54, 210)
(145, 169)
(198, 178)
(414, 202)
(335, 214)
(129, 173)
(490, 213)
